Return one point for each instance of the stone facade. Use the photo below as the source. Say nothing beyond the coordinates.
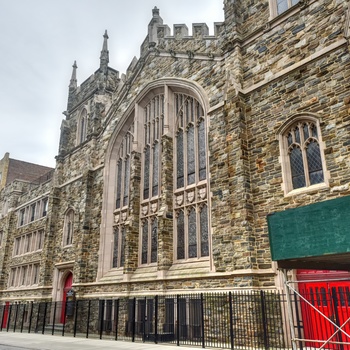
(254, 75)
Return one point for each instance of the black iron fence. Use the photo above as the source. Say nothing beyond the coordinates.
(243, 320)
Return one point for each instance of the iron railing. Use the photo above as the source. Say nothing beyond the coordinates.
(242, 320)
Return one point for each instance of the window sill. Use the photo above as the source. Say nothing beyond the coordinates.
(303, 190)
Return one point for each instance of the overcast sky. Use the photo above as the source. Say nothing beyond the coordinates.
(39, 41)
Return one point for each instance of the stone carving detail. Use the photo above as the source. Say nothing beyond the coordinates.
(180, 199)
(202, 193)
(190, 197)
(154, 207)
(145, 210)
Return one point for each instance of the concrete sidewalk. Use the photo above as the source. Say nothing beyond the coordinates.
(33, 341)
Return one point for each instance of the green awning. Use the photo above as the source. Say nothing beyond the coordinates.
(312, 236)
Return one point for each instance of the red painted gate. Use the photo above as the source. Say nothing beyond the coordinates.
(329, 293)
(5, 315)
(67, 286)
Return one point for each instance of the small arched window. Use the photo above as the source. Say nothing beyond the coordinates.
(82, 127)
(68, 229)
(302, 154)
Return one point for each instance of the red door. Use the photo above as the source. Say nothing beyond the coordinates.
(67, 286)
(6, 314)
(332, 299)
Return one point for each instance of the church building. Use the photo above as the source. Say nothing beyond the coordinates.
(167, 176)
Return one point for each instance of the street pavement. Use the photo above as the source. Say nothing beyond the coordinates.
(34, 341)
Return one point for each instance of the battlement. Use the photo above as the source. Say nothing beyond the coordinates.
(159, 33)
(178, 43)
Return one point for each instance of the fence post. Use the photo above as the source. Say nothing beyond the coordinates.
(23, 313)
(299, 321)
(231, 318)
(133, 320)
(264, 319)
(156, 319)
(116, 318)
(202, 321)
(16, 315)
(54, 318)
(9, 318)
(3, 316)
(37, 319)
(144, 320)
(44, 320)
(102, 313)
(178, 320)
(76, 317)
(64, 316)
(31, 315)
(88, 319)
(336, 315)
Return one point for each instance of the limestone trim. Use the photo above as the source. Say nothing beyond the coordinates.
(313, 57)
(287, 186)
(212, 275)
(289, 4)
(35, 199)
(71, 181)
(347, 24)
(61, 271)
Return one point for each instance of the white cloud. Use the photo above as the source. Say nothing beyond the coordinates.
(39, 41)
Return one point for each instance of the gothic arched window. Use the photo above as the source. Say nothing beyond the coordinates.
(156, 181)
(191, 179)
(122, 198)
(82, 126)
(68, 228)
(303, 160)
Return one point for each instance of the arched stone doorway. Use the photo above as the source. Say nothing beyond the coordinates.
(67, 285)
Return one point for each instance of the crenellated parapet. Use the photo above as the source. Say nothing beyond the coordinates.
(179, 42)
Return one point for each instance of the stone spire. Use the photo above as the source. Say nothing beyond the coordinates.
(73, 80)
(104, 58)
(153, 26)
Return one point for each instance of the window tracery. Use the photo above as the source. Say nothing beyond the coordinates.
(167, 131)
(301, 150)
(121, 211)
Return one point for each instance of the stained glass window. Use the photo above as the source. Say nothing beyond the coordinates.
(191, 165)
(155, 175)
(144, 243)
(204, 231)
(122, 248)
(116, 247)
(146, 173)
(123, 173)
(154, 241)
(314, 162)
(191, 170)
(305, 159)
(297, 167)
(180, 159)
(202, 151)
(119, 184)
(192, 234)
(126, 182)
(180, 236)
(153, 129)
